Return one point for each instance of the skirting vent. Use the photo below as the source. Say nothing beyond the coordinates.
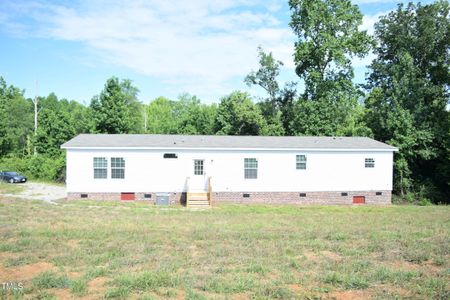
(127, 196)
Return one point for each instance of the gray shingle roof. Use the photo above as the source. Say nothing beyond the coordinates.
(220, 141)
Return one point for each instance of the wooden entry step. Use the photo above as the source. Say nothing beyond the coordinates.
(199, 198)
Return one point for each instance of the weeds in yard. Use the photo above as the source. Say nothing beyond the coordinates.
(274, 292)
(79, 287)
(122, 250)
(50, 280)
(10, 188)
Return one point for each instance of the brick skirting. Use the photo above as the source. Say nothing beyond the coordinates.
(174, 198)
(324, 198)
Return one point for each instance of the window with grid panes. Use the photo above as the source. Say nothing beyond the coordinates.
(301, 162)
(250, 168)
(117, 167)
(198, 167)
(100, 168)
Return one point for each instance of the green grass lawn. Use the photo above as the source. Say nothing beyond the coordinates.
(133, 250)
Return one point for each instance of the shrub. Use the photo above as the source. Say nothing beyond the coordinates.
(39, 167)
(424, 202)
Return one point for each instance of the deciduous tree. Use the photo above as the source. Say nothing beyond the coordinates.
(409, 94)
(328, 37)
(238, 115)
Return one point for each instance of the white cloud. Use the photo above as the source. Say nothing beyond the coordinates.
(200, 44)
(368, 22)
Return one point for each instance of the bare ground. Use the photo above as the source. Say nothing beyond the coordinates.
(40, 191)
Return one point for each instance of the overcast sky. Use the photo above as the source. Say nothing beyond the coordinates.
(204, 47)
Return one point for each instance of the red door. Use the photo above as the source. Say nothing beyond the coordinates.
(127, 196)
(359, 199)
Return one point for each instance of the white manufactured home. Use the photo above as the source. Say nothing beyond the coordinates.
(204, 170)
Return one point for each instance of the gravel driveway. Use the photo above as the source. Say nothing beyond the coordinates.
(40, 191)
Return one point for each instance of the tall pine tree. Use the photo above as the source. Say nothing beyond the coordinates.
(111, 110)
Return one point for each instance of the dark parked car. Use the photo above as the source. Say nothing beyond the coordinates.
(12, 177)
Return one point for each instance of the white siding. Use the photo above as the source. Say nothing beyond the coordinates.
(148, 171)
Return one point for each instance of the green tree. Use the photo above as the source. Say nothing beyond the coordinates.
(80, 117)
(16, 120)
(161, 117)
(338, 112)
(59, 120)
(328, 38)
(238, 115)
(272, 107)
(409, 94)
(4, 139)
(266, 75)
(53, 131)
(134, 106)
(112, 110)
(187, 115)
(193, 116)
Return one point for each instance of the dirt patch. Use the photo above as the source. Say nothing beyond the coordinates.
(24, 272)
(404, 265)
(61, 294)
(74, 275)
(7, 255)
(240, 297)
(403, 293)
(193, 251)
(181, 294)
(349, 295)
(295, 288)
(432, 267)
(73, 244)
(310, 255)
(331, 255)
(97, 285)
(40, 191)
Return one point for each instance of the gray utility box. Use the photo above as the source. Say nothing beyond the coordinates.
(162, 199)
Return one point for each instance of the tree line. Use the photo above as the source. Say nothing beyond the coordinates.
(403, 102)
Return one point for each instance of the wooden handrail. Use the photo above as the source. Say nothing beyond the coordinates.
(210, 192)
(187, 191)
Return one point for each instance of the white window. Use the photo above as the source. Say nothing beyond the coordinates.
(198, 167)
(369, 163)
(301, 162)
(250, 168)
(100, 167)
(117, 167)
